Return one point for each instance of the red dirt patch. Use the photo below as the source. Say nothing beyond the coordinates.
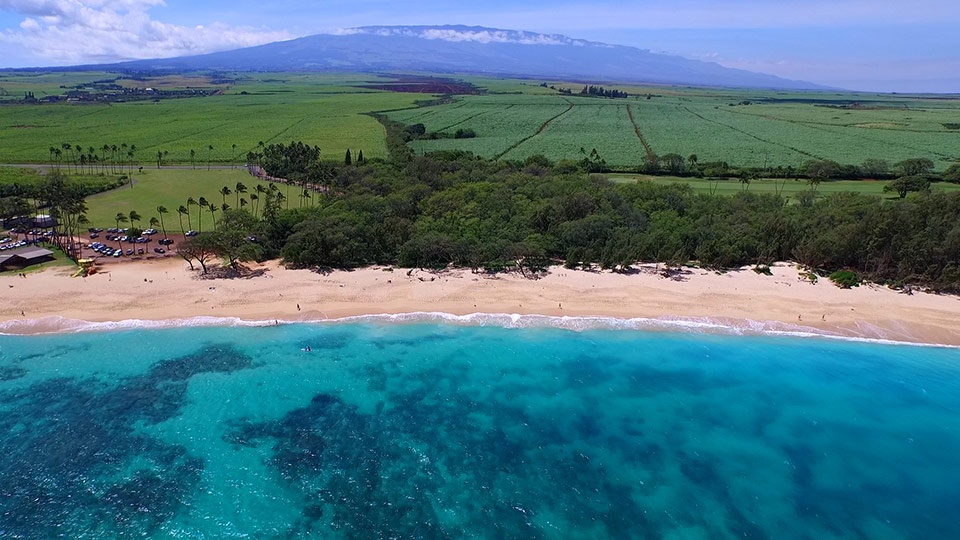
(424, 85)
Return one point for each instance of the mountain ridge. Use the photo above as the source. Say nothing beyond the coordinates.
(463, 49)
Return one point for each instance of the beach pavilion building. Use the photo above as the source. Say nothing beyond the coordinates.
(24, 257)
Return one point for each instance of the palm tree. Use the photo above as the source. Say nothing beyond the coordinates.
(131, 151)
(254, 198)
(103, 166)
(134, 218)
(77, 154)
(239, 188)
(209, 155)
(121, 218)
(82, 221)
(242, 202)
(224, 191)
(260, 192)
(202, 203)
(162, 210)
(213, 208)
(181, 211)
(193, 156)
(190, 202)
(68, 148)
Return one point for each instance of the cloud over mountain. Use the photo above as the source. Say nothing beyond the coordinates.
(466, 34)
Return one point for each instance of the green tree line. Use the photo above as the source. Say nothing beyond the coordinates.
(452, 208)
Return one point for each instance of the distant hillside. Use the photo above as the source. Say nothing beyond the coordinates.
(477, 50)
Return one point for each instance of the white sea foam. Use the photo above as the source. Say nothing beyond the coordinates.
(63, 325)
(57, 325)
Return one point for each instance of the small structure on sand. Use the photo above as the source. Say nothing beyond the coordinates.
(24, 257)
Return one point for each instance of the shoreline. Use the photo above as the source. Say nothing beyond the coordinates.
(164, 293)
(59, 326)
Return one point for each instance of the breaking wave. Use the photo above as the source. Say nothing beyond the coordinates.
(737, 327)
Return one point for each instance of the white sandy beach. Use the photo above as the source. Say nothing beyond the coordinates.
(166, 289)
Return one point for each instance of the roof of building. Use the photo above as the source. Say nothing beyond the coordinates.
(32, 252)
(26, 254)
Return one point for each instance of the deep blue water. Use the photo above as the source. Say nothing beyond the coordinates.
(445, 431)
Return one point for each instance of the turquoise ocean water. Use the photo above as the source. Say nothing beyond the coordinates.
(436, 430)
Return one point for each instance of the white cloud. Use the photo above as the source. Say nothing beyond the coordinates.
(91, 31)
(461, 35)
(569, 17)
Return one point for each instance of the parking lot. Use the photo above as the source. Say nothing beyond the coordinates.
(115, 245)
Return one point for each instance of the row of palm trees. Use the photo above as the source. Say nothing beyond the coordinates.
(253, 199)
(117, 158)
(193, 155)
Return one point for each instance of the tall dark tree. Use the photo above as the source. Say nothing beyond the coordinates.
(182, 211)
(906, 184)
(202, 205)
(239, 189)
(914, 167)
(190, 202)
(161, 210)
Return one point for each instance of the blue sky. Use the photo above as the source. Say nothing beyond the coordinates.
(877, 45)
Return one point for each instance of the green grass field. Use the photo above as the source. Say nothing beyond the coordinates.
(171, 188)
(774, 129)
(17, 175)
(322, 110)
(789, 188)
(514, 120)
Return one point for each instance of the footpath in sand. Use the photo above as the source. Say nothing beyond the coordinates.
(166, 289)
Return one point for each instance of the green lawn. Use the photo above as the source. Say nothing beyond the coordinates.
(170, 188)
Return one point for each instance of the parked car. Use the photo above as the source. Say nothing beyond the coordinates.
(150, 232)
(165, 241)
(191, 233)
(161, 251)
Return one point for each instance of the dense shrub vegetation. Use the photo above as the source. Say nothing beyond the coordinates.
(455, 209)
